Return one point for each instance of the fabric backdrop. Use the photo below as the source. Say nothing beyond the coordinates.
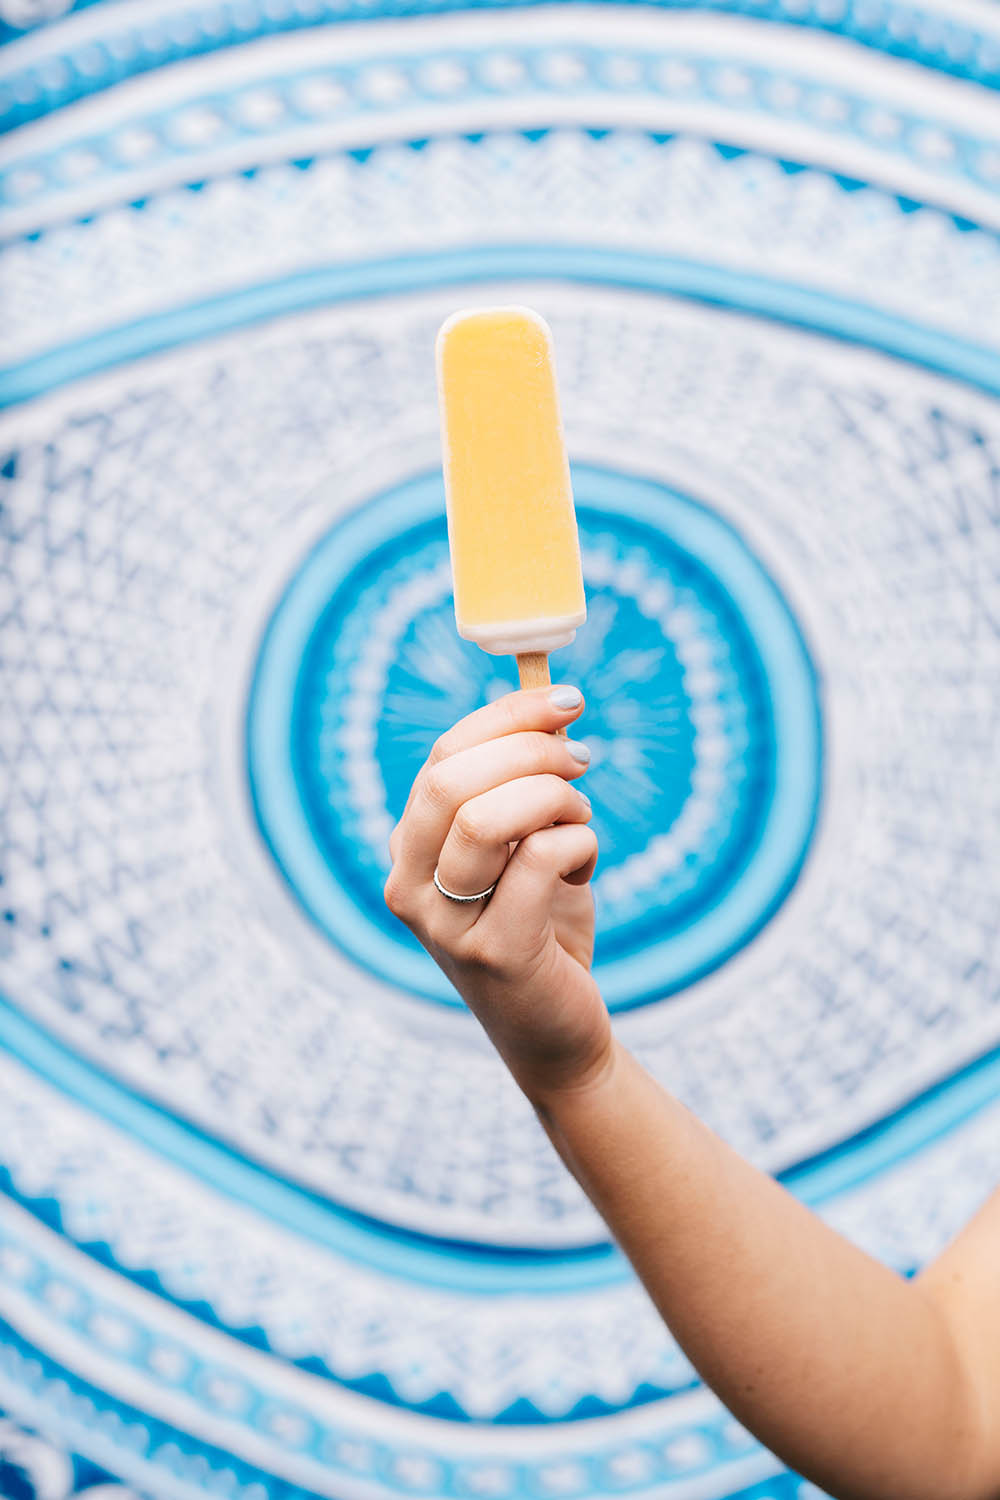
(275, 1222)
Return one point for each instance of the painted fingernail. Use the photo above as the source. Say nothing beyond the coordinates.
(566, 697)
(584, 798)
(579, 751)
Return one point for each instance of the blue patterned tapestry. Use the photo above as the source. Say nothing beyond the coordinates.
(276, 1223)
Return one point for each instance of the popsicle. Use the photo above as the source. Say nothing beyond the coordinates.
(515, 554)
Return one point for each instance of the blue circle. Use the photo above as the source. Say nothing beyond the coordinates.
(703, 718)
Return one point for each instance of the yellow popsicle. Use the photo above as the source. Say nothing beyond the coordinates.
(515, 554)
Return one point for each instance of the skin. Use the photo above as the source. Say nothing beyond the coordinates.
(871, 1386)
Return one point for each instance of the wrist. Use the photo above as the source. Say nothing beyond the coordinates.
(581, 1086)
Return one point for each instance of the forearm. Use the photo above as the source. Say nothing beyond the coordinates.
(841, 1367)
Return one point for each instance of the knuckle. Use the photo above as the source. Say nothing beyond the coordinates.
(436, 789)
(468, 827)
(441, 749)
(532, 851)
(580, 813)
(556, 800)
(554, 750)
(533, 753)
(391, 893)
(511, 711)
(395, 894)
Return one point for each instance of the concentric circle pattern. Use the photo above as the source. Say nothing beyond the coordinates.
(276, 1222)
(705, 765)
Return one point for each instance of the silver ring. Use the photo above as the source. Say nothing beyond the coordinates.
(481, 896)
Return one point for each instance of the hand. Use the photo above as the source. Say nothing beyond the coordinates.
(494, 803)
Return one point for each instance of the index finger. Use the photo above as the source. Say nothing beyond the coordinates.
(547, 709)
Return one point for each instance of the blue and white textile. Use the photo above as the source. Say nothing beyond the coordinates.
(275, 1222)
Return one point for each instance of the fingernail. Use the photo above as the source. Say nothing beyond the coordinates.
(584, 798)
(566, 697)
(579, 751)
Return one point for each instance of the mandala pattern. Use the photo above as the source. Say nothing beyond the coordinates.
(689, 714)
(276, 1222)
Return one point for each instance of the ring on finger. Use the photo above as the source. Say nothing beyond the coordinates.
(479, 896)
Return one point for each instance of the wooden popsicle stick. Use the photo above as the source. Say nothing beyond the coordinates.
(533, 670)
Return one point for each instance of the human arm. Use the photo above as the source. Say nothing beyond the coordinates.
(874, 1387)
